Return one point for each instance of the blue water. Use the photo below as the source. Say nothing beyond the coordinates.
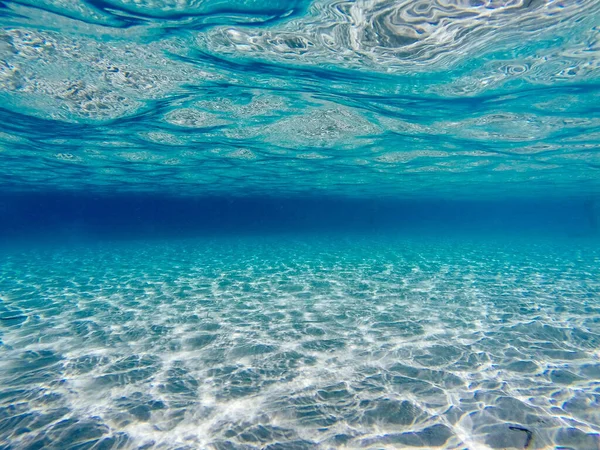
(299, 224)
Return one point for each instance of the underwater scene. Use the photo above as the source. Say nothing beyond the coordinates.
(301, 224)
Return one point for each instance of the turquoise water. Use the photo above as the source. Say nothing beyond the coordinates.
(299, 224)
(314, 342)
(374, 98)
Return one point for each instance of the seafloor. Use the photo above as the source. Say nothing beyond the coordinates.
(297, 343)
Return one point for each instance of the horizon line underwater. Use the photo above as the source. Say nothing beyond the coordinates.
(301, 224)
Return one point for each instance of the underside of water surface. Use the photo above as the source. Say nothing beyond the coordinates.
(351, 98)
(268, 224)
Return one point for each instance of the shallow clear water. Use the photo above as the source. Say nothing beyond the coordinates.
(317, 342)
(299, 224)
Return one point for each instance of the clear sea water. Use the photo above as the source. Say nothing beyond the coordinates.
(299, 224)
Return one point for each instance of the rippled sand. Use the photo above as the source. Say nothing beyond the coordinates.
(296, 343)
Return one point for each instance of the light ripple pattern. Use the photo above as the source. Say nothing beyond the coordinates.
(281, 342)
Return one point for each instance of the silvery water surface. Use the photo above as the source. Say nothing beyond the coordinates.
(299, 224)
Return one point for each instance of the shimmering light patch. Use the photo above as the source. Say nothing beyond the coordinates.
(308, 343)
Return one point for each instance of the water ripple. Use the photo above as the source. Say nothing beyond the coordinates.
(348, 98)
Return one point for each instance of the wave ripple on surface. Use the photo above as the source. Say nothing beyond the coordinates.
(345, 98)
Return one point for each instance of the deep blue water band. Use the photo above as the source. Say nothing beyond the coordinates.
(55, 214)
